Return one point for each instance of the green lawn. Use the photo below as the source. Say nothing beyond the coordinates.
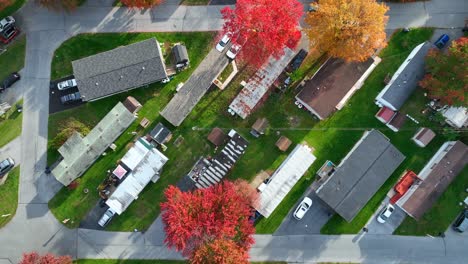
(442, 214)
(12, 60)
(75, 204)
(9, 10)
(210, 112)
(331, 138)
(9, 196)
(10, 125)
(334, 137)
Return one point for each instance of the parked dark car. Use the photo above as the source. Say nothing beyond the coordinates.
(71, 98)
(442, 41)
(461, 224)
(297, 61)
(10, 80)
(6, 166)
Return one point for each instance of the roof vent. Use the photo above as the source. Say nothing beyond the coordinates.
(97, 84)
(143, 68)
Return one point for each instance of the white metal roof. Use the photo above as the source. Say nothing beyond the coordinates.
(456, 116)
(148, 167)
(284, 178)
(133, 157)
(259, 84)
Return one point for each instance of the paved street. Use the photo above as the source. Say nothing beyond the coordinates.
(35, 228)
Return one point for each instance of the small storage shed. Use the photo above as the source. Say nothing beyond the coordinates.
(283, 143)
(132, 104)
(259, 127)
(385, 114)
(423, 137)
(181, 57)
(160, 134)
(397, 122)
(217, 136)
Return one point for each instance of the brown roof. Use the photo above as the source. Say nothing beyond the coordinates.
(217, 136)
(330, 84)
(283, 143)
(435, 183)
(398, 121)
(424, 135)
(260, 125)
(132, 104)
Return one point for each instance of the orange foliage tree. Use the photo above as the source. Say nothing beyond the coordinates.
(447, 74)
(35, 258)
(347, 29)
(141, 3)
(205, 223)
(221, 251)
(58, 5)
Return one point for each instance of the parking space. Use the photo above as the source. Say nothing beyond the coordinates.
(317, 216)
(93, 216)
(450, 232)
(54, 97)
(390, 225)
(452, 33)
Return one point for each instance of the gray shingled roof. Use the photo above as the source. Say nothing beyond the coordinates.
(360, 174)
(195, 88)
(406, 79)
(119, 70)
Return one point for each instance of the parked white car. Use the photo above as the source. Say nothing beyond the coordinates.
(106, 217)
(385, 214)
(66, 84)
(302, 208)
(233, 51)
(223, 42)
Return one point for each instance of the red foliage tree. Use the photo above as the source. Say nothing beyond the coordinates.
(201, 219)
(141, 3)
(447, 74)
(220, 251)
(35, 258)
(267, 26)
(5, 3)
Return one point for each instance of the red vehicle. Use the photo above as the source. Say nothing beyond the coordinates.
(8, 30)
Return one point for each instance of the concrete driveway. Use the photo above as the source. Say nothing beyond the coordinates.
(392, 223)
(317, 216)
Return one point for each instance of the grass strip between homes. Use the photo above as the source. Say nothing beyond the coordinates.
(11, 126)
(9, 196)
